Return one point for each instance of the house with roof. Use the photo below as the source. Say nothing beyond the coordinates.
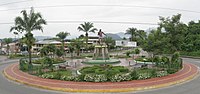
(40, 44)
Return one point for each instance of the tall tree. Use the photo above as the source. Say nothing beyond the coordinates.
(7, 41)
(192, 37)
(132, 32)
(156, 42)
(175, 31)
(140, 37)
(77, 44)
(109, 42)
(62, 36)
(28, 23)
(87, 27)
(71, 49)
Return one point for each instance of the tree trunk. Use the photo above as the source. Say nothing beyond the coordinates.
(29, 53)
(63, 47)
(78, 52)
(86, 48)
(7, 49)
(30, 61)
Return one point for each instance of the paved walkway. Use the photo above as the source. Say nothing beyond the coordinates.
(188, 72)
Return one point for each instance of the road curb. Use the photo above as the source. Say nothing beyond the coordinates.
(105, 90)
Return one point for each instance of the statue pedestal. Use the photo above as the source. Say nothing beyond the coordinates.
(101, 52)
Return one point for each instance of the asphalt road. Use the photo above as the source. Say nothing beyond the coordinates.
(10, 87)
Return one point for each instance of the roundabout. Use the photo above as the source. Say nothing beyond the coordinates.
(188, 72)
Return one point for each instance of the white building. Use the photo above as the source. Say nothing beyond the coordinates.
(125, 43)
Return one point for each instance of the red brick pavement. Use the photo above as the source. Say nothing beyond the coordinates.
(188, 72)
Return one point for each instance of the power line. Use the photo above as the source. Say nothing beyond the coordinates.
(101, 22)
(15, 2)
(122, 6)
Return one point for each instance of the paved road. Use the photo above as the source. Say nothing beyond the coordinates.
(10, 87)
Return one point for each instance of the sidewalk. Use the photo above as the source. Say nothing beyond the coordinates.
(188, 72)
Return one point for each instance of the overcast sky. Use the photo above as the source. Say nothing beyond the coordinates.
(97, 13)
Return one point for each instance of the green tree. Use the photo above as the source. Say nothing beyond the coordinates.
(87, 27)
(28, 23)
(109, 42)
(59, 52)
(62, 36)
(137, 51)
(132, 32)
(44, 51)
(156, 42)
(192, 37)
(140, 37)
(49, 50)
(175, 30)
(77, 44)
(71, 49)
(7, 41)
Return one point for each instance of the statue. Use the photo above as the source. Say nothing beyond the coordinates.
(101, 36)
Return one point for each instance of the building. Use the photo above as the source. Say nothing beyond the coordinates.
(40, 44)
(125, 43)
(93, 39)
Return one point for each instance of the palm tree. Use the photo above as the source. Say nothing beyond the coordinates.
(15, 33)
(71, 49)
(62, 36)
(87, 27)
(28, 23)
(141, 36)
(78, 44)
(109, 42)
(7, 41)
(132, 32)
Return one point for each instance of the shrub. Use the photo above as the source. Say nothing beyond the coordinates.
(142, 76)
(137, 51)
(87, 70)
(95, 78)
(48, 61)
(157, 60)
(80, 77)
(23, 65)
(120, 68)
(171, 70)
(112, 72)
(161, 73)
(134, 75)
(47, 76)
(120, 77)
(175, 57)
(153, 73)
(165, 60)
(128, 53)
(30, 67)
(100, 71)
(68, 78)
(57, 75)
(39, 71)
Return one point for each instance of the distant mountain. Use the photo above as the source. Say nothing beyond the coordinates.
(122, 35)
(42, 37)
(114, 36)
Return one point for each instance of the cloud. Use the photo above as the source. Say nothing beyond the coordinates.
(100, 13)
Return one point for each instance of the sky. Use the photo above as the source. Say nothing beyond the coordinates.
(96, 13)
